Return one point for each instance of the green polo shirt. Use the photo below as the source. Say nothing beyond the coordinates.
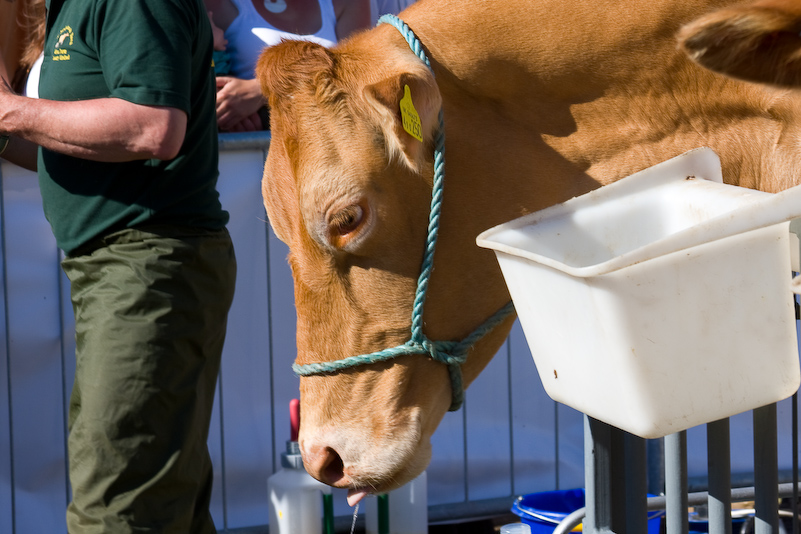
(149, 52)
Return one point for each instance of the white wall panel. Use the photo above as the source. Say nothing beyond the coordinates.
(446, 476)
(534, 430)
(488, 431)
(245, 386)
(6, 431)
(570, 429)
(34, 352)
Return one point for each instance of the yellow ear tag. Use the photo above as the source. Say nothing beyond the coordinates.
(411, 120)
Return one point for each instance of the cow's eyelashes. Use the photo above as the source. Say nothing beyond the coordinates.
(344, 223)
(346, 220)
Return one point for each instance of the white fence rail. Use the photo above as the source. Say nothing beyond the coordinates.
(509, 439)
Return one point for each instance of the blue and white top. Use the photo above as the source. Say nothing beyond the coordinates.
(249, 34)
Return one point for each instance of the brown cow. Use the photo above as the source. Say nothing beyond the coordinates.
(543, 100)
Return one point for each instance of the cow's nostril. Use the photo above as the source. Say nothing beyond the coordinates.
(326, 465)
(333, 470)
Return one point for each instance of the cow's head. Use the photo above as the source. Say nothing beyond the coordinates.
(349, 190)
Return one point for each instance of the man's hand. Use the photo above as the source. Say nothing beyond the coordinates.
(18, 151)
(248, 124)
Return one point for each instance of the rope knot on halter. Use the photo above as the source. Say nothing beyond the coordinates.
(443, 356)
(451, 353)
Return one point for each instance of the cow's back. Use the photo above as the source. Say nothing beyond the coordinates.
(602, 84)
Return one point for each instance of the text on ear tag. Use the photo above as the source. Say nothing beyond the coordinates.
(411, 120)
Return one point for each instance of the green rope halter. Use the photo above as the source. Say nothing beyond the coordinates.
(451, 353)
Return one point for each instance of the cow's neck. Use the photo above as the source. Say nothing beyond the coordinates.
(581, 69)
(525, 134)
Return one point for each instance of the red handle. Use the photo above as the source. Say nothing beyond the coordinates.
(294, 419)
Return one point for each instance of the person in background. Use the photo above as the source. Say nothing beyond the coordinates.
(220, 56)
(26, 78)
(23, 21)
(20, 33)
(250, 25)
(11, 35)
(382, 7)
(127, 163)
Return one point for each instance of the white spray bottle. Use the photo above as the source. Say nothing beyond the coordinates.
(402, 511)
(296, 499)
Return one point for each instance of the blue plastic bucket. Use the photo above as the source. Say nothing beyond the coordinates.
(543, 511)
(700, 526)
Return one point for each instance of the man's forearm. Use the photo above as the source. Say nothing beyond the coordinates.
(106, 129)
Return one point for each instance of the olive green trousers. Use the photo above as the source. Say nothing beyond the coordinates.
(151, 307)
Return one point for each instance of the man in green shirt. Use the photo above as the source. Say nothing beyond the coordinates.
(128, 168)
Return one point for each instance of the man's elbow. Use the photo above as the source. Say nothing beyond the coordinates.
(167, 148)
(166, 137)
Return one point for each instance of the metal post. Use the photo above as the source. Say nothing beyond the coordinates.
(676, 483)
(766, 471)
(383, 514)
(794, 425)
(719, 466)
(636, 489)
(656, 466)
(618, 481)
(597, 474)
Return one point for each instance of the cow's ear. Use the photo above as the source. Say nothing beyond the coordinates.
(284, 68)
(407, 107)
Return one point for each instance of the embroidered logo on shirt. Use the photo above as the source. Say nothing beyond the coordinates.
(61, 51)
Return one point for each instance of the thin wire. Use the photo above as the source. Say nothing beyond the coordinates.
(355, 513)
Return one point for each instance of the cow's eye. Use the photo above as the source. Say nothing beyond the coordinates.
(343, 224)
(347, 220)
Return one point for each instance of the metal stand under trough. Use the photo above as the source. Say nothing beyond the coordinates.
(616, 480)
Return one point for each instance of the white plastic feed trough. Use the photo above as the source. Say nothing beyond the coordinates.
(661, 301)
